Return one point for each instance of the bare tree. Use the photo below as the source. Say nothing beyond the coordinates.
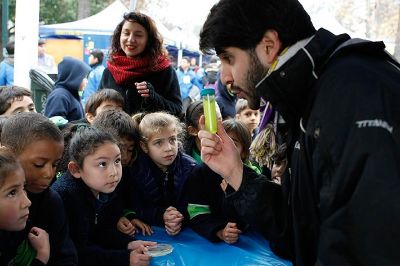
(83, 9)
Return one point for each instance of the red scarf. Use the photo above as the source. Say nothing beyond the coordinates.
(124, 68)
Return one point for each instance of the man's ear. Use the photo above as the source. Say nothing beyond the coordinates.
(269, 47)
(90, 117)
(74, 169)
(192, 131)
(144, 147)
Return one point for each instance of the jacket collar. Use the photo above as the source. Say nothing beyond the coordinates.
(289, 86)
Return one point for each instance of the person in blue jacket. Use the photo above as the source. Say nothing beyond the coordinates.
(64, 100)
(7, 66)
(96, 63)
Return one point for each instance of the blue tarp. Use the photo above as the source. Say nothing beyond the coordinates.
(190, 249)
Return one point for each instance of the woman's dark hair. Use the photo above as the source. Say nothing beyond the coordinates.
(242, 24)
(86, 141)
(242, 133)
(154, 46)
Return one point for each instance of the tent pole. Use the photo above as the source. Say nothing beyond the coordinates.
(132, 5)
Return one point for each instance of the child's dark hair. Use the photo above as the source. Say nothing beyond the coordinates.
(8, 94)
(242, 133)
(3, 119)
(97, 98)
(280, 153)
(86, 141)
(67, 133)
(193, 113)
(120, 124)
(155, 122)
(8, 163)
(117, 122)
(23, 129)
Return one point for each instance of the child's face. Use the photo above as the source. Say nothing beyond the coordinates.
(251, 118)
(14, 204)
(21, 106)
(162, 147)
(127, 147)
(39, 160)
(278, 169)
(238, 144)
(108, 105)
(102, 170)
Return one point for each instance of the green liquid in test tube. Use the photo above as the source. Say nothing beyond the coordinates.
(208, 96)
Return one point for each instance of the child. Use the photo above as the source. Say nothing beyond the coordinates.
(263, 147)
(38, 144)
(249, 117)
(192, 142)
(14, 211)
(159, 173)
(101, 100)
(126, 130)
(279, 165)
(64, 99)
(14, 99)
(94, 172)
(210, 214)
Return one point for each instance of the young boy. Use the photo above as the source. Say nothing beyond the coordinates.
(14, 99)
(101, 100)
(250, 117)
(38, 144)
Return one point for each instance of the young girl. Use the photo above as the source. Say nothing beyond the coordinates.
(18, 246)
(94, 172)
(210, 214)
(192, 144)
(159, 173)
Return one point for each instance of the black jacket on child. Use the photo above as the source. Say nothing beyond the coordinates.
(93, 223)
(208, 209)
(15, 248)
(152, 191)
(47, 212)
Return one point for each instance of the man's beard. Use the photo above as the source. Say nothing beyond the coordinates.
(255, 73)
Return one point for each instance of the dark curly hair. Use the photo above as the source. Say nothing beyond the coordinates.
(154, 46)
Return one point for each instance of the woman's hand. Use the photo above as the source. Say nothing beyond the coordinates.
(143, 89)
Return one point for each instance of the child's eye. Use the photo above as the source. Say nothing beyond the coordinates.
(102, 164)
(118, 161)
(12, 193)
(38, 165)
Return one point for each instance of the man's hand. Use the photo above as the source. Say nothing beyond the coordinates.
(219, 152)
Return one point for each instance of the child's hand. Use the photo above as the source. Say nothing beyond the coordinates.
(133, 245)
(126, 227)
(145, 228)
(39, 240)
(230, 234)
(173, 221)
(138, 258)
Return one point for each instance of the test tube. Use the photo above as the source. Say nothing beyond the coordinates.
(208, 96)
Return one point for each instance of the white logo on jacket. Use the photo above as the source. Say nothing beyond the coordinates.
(374, 123)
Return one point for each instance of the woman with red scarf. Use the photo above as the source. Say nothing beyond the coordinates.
(139, 69)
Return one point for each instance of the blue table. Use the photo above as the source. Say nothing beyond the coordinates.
(190, 249)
